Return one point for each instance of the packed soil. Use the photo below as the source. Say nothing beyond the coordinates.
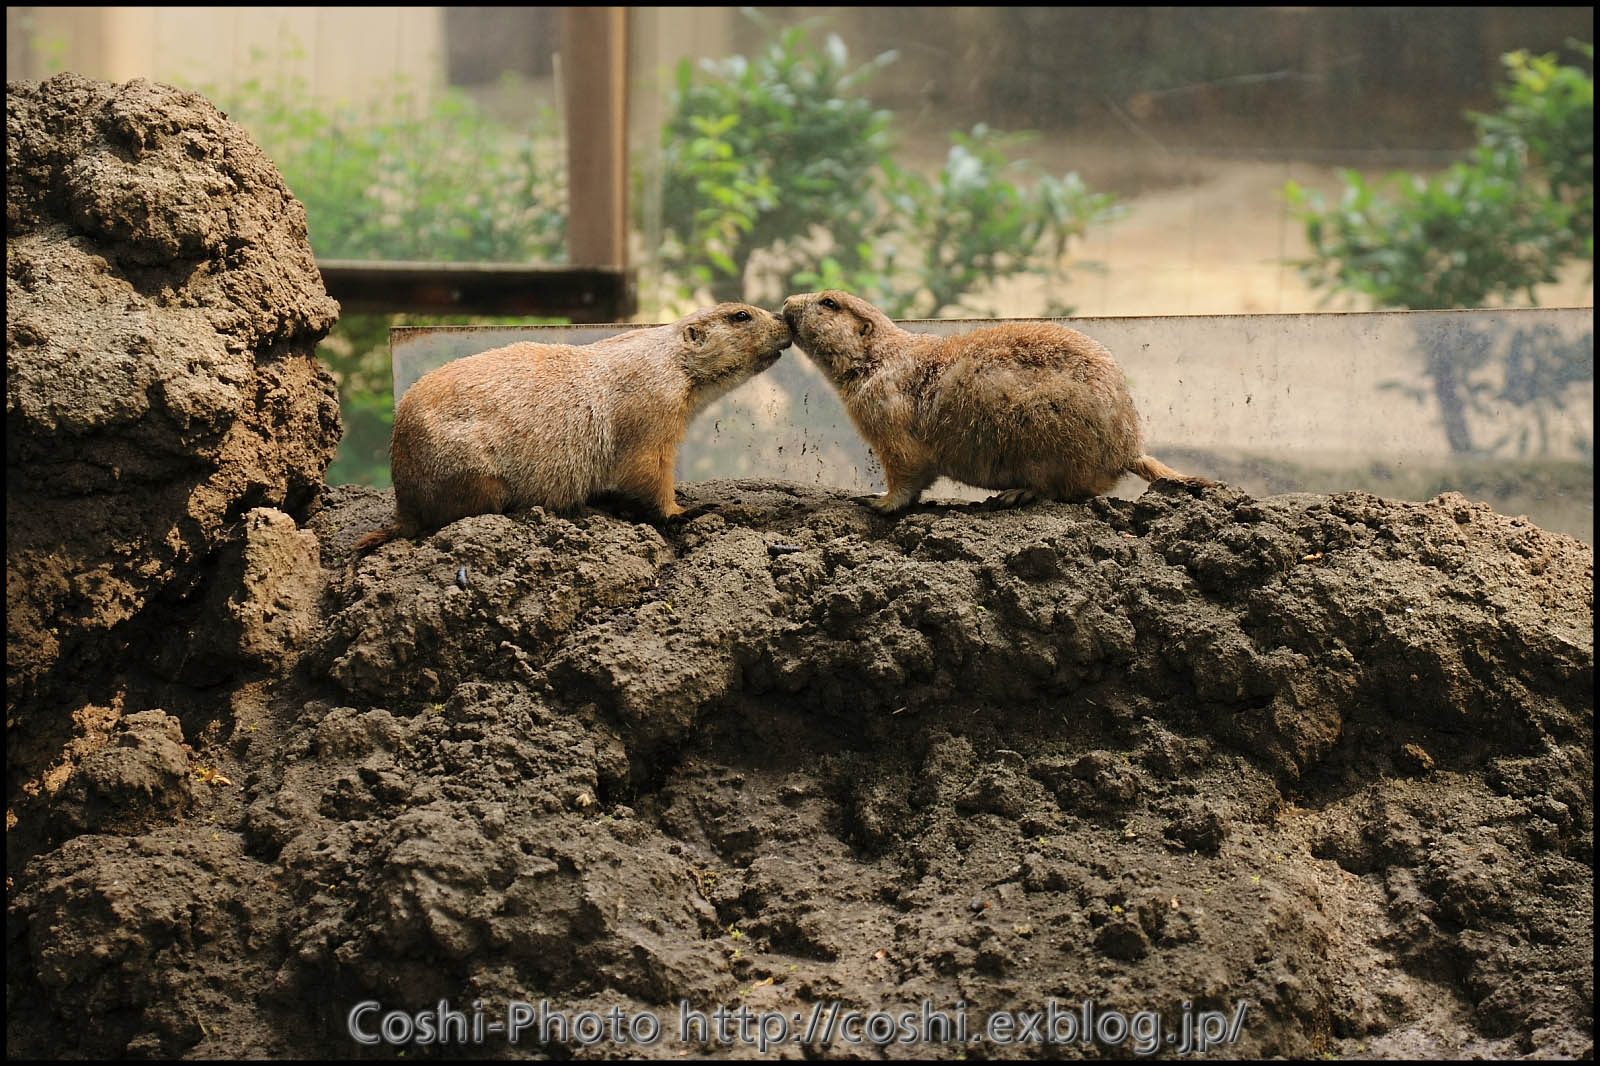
(1301, 774)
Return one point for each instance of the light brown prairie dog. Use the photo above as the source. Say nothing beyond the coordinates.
(1036, 409)
(553, 424)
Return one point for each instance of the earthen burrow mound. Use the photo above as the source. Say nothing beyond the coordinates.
(1327, 757)
(162, 308)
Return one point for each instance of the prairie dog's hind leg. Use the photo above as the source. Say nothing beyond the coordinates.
(460, 496)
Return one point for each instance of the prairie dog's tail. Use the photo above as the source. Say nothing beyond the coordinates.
(1152, 469)
(376, 539)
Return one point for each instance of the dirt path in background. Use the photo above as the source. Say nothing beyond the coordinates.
(1213, 244)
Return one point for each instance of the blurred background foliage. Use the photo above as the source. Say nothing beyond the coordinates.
(1491, 227)
(1494, 225)
(780, 175)
(428, 176)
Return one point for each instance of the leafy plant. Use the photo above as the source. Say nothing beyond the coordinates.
(429, 177)
(1491, 227)
(723, 197)
(1458, 239)
(1548, 118)
(779, 175)
(971, 224)
(766, 154)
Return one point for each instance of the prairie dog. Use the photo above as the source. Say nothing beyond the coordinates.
(553, 424)
(1036, 409)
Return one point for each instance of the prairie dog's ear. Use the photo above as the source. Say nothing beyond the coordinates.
(866, 326)
(694, 335)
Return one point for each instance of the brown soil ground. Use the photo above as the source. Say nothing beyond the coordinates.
(1312, 772)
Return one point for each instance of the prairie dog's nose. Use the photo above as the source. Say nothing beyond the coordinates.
(792, 306)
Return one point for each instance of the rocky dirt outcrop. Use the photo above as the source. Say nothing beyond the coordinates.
(1326, 757)
(162, 310)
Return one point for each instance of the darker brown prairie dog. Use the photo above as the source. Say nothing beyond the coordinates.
(553, 424)
(1036, 409)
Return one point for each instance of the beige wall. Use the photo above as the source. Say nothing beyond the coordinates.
(343, 53)
(660, 36)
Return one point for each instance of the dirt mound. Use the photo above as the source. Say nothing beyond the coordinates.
(1325, 761)
(162, 309)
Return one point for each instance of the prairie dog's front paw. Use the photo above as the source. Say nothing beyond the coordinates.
(888, 503)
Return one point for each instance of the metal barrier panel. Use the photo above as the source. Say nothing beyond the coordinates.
(1497, 404)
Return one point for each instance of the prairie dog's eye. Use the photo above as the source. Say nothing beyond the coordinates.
(830, 303)
(741, 316)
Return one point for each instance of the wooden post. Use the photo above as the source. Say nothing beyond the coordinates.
(594, 75)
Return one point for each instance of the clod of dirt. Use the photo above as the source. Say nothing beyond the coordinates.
(264, 591)
(162, 309)
(138, 780)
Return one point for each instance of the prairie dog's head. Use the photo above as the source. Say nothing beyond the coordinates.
(729, 342)
(837, 331)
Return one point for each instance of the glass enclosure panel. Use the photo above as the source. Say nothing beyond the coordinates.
(1268, 403)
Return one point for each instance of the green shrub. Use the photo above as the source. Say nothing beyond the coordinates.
(778, 175)
(757, 155)
(1459, 239)
(1490, 228)
(1548, 118)
(409, 177)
